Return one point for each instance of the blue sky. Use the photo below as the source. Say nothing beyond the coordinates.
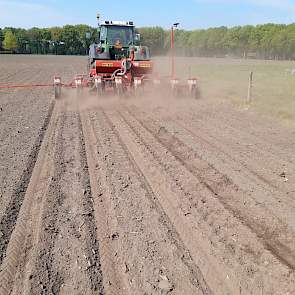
(190, 13)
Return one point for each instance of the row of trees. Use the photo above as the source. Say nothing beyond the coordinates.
(66, 40)
(269, 41)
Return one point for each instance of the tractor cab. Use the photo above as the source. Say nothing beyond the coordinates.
(115, 34)
(117, 40)
(117, 61)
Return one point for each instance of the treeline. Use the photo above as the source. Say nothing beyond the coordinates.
(269, 41)
(67, 40)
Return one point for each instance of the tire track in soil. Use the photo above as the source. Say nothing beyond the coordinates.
(10, 118)
(278, 243)
(96, 275)
(48, 280)
(114, 281)
(9, 219)
(54, 272)
(15, 248)
(197, 279)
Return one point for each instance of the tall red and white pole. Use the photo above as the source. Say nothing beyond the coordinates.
(172, 45)
(172, 54)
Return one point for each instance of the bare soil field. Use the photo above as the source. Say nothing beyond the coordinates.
(153, 195)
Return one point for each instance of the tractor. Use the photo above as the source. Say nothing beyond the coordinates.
(117, 62)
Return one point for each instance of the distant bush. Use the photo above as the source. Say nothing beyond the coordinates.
(9, 42)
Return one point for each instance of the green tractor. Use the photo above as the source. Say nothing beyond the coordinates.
(116, 40)
(118, 61)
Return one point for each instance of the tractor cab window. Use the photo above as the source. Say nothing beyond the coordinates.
(120, 34)
(103, 33)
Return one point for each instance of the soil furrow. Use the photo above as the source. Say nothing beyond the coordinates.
(15, 251)
(11, 214)
(93, 253)
(113, 280)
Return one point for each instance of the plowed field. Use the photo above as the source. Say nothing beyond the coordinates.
(153, 195)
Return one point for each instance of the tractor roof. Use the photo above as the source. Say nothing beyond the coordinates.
(118, 23)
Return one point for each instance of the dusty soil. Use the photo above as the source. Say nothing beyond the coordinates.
(153, 195)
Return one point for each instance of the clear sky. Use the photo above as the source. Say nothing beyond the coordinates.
(190, 13)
